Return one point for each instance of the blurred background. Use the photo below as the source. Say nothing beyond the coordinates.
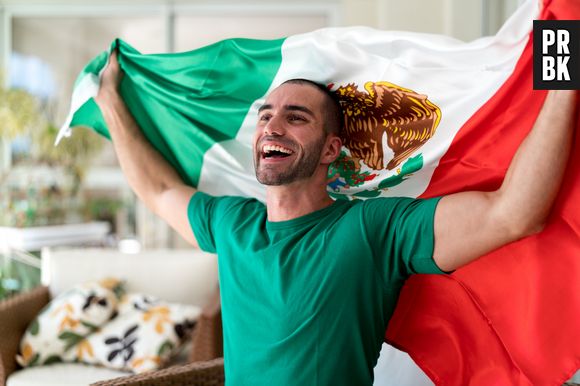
(75, 194)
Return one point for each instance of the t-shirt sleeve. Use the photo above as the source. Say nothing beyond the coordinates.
(205, 213)
(401, 233)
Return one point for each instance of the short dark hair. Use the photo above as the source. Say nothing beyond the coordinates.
(333, 116)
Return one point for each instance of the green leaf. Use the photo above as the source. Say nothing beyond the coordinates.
(167, 346)
(90, 326)
(68, 335)
(119, 289)
(71, 339)
(52, 359)
(34, 360)
(34, 327)
(337, 196)
(411, 166)
(368, 193)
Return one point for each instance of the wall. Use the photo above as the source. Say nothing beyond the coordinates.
(462, 19)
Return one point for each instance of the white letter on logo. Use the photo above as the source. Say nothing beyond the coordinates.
(563, 73)
(548, 71)
(563, 40)
(548, 39)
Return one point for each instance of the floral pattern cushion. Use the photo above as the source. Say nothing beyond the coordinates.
(67, 320)
(141, 334)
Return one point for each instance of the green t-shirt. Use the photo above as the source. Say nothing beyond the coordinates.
(307, 301)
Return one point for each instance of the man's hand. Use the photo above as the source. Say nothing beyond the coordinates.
(110, 81)
(470, 224)
(150, 176)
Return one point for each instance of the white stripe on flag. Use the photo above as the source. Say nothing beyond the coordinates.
(86, 89)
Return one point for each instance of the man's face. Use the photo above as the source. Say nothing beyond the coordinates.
(289, 136)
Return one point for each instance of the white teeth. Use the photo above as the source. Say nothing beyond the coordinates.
(270, 148)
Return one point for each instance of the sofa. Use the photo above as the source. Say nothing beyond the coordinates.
(179, 276)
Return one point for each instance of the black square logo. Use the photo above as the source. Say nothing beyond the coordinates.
(557, 54)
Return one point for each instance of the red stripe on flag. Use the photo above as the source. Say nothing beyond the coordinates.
(441, 326)
(511, 317)
(483, 148)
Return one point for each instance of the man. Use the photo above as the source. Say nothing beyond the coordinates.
(308, 284)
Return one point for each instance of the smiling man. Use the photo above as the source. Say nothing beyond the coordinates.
(274, 149)
(296, 138)
(309, 284)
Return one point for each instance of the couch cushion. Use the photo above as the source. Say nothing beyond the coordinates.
(144, 335)
(67, 320)
(127, 332)
(62, 374)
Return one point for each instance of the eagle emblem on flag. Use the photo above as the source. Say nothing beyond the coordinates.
(407, 118)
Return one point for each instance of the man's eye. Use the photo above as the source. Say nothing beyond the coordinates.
(296, 118)
(265, 118)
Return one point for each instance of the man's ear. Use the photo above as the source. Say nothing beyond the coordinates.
(332, 149)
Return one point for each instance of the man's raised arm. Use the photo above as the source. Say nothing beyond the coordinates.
(150, 176)
(470, 224)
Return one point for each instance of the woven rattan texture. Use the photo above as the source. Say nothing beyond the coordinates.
(209, 373)
(16, 313)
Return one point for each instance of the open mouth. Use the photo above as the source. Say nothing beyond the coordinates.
(275, 152)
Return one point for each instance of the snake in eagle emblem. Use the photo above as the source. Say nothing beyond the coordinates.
(409, 120)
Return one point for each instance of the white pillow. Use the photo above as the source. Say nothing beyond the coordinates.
(67, 320)
(143, 336)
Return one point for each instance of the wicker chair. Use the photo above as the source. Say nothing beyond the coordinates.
(17, 312)
(207, 373)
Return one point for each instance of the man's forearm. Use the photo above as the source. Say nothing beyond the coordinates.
(150, 176)
(536, 172)
(147, 172)
(470, 224)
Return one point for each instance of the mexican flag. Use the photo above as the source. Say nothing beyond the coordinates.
(425, 115)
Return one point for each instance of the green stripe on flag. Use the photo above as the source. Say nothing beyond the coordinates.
(89, 115)
(187, 102)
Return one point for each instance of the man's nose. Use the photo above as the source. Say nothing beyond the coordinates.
(274, 126)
